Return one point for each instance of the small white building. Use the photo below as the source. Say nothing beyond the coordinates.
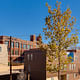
(3, 58)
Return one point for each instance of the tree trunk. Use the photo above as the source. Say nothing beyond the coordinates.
(59, 76)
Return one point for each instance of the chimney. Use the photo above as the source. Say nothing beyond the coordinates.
(32, 38)
(39, 38)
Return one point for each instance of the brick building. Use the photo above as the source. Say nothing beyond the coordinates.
(71, 72)
(18, 45)
(35, 64)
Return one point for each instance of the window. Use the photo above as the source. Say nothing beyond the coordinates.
(65, 67)
(28, 46)
(75, 58)
(31, 56)
(69, 66)
(24, 46)
(28, 57)
(7, 43)
(67, 76)
(12, 44)
(74, 66)
(17, 45)
(16, 52)
(31, 46)
(21, 45)
(12, 52)
(0, 48)
(20, 52)
(71, 54)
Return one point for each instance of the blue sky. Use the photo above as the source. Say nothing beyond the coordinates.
(26, 17)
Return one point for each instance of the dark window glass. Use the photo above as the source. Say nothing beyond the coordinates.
(28, 46)
(12, 44)
(21, 45)
(20, 52)
(24, 46)
(17, 45)
(16, 52)
(71, 54)
(12, 52)
(31, 57)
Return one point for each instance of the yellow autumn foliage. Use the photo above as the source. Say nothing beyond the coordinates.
(59, 26)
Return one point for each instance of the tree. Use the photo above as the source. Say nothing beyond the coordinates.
(58, 31)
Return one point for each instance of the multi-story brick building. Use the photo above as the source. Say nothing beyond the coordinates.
(72, 70)
(18, 45)
(35, 64)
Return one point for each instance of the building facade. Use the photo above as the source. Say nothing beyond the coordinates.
(70, 72)
(35, 64)
(73, 69)
(3, 58)
(18, 45)
(3, 54)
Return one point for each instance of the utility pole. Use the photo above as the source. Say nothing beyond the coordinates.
(10, 59)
